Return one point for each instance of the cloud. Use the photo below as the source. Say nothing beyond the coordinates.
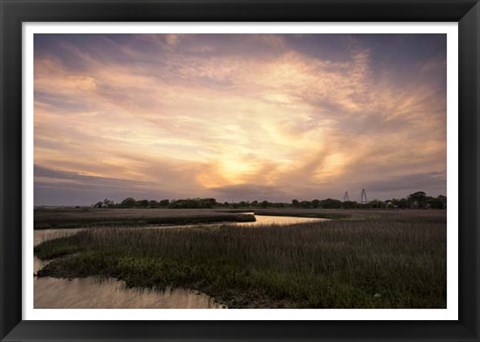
(203, 115)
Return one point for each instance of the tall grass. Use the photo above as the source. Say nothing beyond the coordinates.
(81, 218)
(383, 263)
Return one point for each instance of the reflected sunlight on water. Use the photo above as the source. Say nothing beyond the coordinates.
(110, 293)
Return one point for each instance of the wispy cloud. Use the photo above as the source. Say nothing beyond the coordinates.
(238, 116)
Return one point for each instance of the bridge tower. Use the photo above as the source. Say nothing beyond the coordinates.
(363, 197)
(345, 197)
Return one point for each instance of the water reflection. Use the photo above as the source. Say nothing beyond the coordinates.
(279, 220)
(110, 293)
(106, 293)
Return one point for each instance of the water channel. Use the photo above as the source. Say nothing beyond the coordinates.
(91, 292)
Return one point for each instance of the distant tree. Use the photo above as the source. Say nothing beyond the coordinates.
(142, 203)
(436, 202)
(180, 203)
(208, 202)
(153, 204)
(330, 203)
(376, 204)
(164, 203)
(305, 204)
(194, 203)
(395, 203)
(109, 203)
(403, 203)
(444, 200)
(389, 204)
(128, 202)
(417, 200)
(349, 204)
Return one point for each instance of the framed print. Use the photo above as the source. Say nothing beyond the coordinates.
(239, 171)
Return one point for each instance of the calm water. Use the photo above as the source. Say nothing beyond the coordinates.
(110, 293)
(279, 220)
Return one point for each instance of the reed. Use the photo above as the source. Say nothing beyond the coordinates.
(88, 217)
(391, 261)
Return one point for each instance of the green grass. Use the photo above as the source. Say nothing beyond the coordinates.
(87, 217)
(355, 214)
(334, 214)
(395, 261)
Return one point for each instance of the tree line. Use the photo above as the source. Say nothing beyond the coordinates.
(416, 200)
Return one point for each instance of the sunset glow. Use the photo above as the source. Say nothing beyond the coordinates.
(238, 117)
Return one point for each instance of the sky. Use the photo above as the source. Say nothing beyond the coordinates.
(238, 116)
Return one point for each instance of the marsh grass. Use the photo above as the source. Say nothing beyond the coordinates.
(387, 262)
(88, 217)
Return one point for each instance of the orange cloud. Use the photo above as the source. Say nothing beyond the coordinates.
(200, 121)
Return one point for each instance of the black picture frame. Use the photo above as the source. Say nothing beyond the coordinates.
(14, 12)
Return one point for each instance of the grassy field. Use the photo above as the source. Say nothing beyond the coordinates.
(348, 214)
(376, 259)
(353, 214)
(89, 217)
(319, 213)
